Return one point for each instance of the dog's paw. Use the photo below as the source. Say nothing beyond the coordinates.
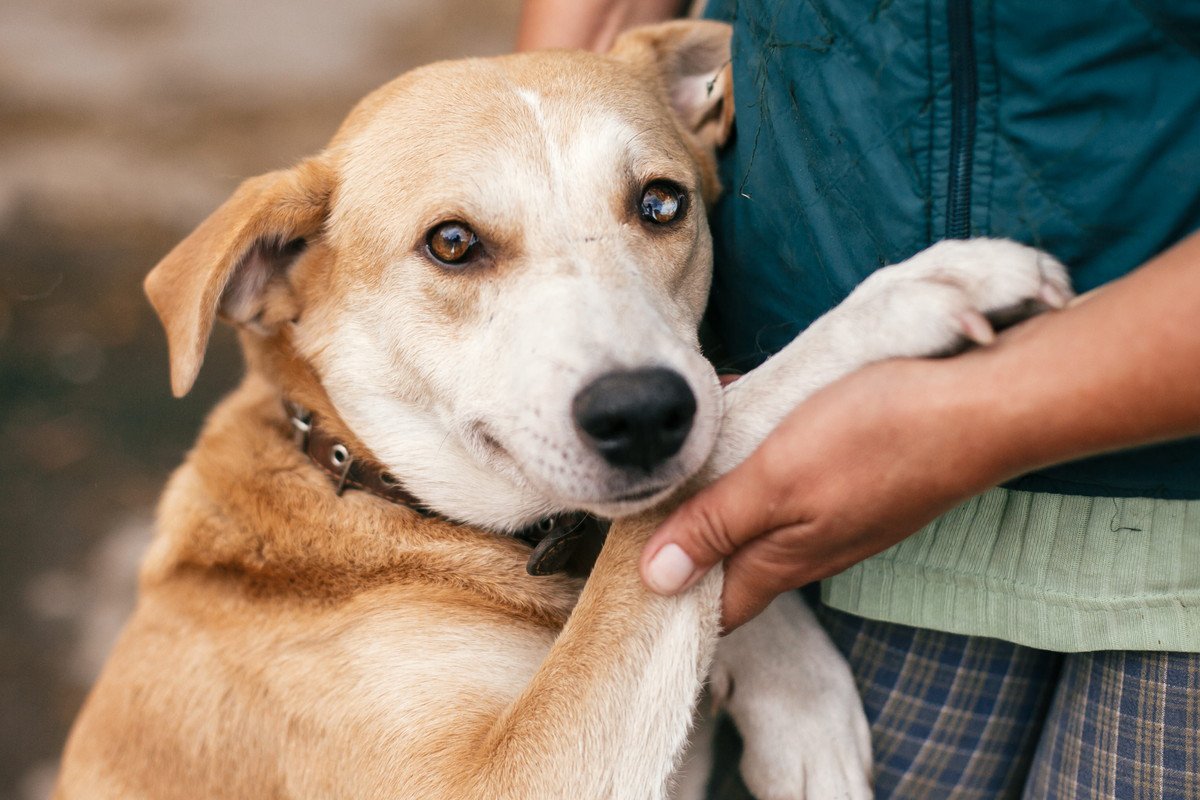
(793, 699)
(811, 745)
(956, 292)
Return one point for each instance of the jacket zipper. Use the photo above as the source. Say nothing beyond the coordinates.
(964, 94)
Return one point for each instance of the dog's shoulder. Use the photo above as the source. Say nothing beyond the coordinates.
(279, 606)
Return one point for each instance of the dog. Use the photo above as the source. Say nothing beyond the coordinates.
(472, 316)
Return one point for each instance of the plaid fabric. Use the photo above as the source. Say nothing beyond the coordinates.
(963, 717)
(951, 716)
(1123, 725)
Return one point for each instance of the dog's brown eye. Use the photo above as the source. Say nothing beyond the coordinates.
(452, 243)
(662, 202)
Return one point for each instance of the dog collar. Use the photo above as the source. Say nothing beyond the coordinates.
(554, 539)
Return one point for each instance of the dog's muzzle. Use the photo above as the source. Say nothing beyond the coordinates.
(635, 418)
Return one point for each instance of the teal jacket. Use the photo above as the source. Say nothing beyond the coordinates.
(866, 131)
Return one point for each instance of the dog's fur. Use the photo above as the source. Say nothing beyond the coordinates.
(289, 642)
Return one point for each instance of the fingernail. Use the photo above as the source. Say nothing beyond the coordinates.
(1052, 296)
(669, 570)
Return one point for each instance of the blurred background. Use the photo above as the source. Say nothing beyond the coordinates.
(122, 124)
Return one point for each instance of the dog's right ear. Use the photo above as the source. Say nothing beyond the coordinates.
(693, 62)
(234, 260)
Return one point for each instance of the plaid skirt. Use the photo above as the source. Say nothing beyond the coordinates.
(971, 718)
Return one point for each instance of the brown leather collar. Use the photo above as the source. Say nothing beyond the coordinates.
(554, 539)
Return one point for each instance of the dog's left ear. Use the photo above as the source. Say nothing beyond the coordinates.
(692, 59)
(236, 264)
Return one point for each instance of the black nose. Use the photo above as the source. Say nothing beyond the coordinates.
(638, 418)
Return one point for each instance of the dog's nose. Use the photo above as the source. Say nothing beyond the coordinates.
(635, 418)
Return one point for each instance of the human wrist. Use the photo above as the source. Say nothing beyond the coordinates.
(972, 443)
(1004, 408)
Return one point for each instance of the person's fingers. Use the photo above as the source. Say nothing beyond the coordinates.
(707, 528)
(756, 573)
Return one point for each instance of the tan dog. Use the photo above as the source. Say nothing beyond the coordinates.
(488, 285)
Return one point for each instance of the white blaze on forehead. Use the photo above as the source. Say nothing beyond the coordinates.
(534, 101)
(540, 156)
(580, 145)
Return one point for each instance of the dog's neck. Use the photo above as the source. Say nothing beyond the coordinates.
(559, 538)
(248, 506)
(553, 539)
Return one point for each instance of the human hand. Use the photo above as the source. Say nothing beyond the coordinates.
(854, 469)
(871, 458)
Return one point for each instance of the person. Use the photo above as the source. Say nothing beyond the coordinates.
(1016, 589)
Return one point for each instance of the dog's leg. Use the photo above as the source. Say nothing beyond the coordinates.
(690, 781)
(795, 704)
(931, 304)
(608, 712)
(791, 694)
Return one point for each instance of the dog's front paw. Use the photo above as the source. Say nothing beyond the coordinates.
(793, 699)
(958, 291)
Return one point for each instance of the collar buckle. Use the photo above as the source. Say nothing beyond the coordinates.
(301, 420)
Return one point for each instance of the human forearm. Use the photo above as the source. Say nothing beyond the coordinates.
(1120, 369)
(587, 24)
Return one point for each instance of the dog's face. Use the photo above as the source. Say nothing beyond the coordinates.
(496, 270)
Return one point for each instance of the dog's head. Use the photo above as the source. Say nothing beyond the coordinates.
(495, 271)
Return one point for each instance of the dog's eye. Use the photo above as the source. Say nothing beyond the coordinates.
(662, 202)
(452, 243)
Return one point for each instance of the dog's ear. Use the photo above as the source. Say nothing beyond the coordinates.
(236, 261)
(692, 59)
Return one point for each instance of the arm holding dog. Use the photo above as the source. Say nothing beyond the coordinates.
(900, 432)
(587, 24)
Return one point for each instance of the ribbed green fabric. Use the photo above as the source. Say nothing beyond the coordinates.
(1056, 572)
